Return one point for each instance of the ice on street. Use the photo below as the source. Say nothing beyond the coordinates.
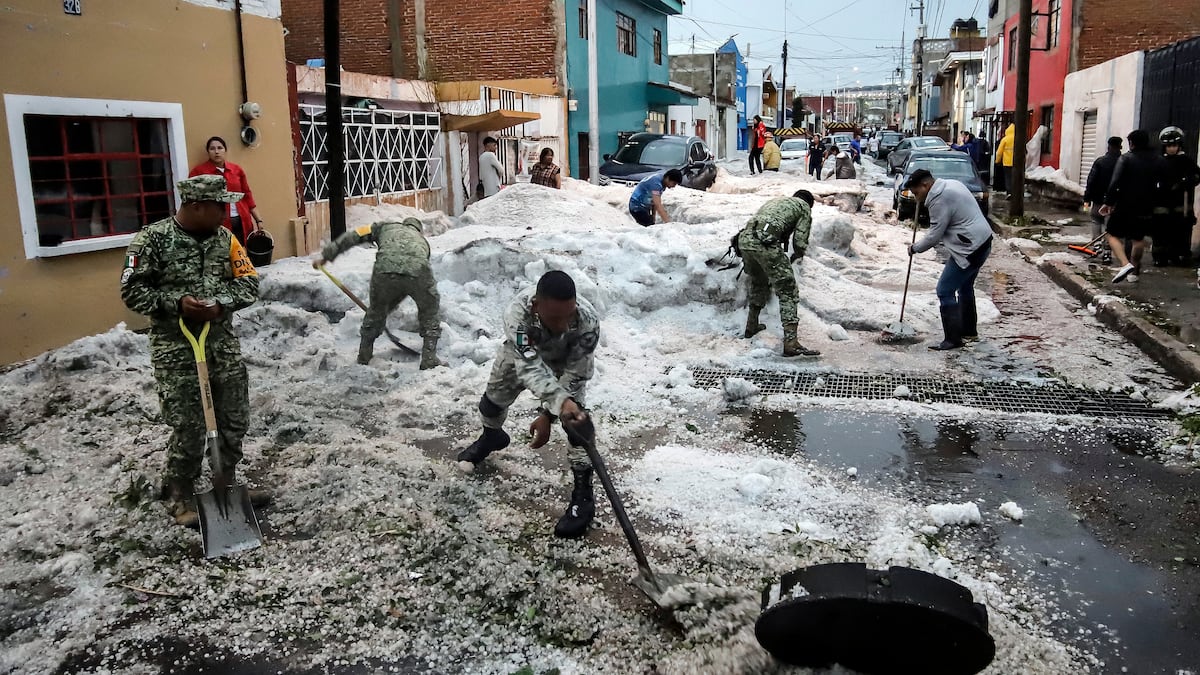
(381, 553)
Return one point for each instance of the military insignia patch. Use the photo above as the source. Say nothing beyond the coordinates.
(125, 275)
(588, 341)
(131, 260)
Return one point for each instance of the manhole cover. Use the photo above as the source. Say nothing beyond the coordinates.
(1016, 397)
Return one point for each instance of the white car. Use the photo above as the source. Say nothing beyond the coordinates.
(794, 148)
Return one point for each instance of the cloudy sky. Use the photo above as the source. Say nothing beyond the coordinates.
(829, 41)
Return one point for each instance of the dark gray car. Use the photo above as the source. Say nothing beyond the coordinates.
(899, 156)
(948, 165)
(645, 154)
(888, 140)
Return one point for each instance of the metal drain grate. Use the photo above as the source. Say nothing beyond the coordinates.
(1054, 399)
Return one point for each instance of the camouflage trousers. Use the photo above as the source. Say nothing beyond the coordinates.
(504, 386)
(388, 290)
(768, 267)
(179, 395)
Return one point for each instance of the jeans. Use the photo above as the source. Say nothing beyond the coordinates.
(957, 284)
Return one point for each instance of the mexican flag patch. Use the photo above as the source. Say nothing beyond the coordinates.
(131, 260)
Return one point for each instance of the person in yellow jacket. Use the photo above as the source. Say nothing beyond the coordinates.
(1004, 155)
(770, 155)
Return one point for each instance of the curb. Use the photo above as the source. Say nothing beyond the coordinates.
(1174, 356)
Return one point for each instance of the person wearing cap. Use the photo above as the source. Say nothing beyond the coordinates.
(955, 222)
(189, 266)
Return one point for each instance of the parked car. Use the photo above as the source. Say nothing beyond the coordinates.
(948, 165)
(885, 143)
(842, 140)
(644, 154)
(897, 158)
(794, 148)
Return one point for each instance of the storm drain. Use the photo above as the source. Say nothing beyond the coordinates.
(1050, 398)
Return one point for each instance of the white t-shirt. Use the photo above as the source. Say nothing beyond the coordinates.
(491, 172)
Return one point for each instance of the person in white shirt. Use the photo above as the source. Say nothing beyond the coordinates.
(491, 171)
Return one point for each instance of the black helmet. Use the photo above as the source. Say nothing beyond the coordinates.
(1171, 136)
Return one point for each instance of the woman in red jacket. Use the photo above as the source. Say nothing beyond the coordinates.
(758, 139)
(242, 218)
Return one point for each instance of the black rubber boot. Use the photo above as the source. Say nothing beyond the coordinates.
(970, 319)
(952, 327)
(753, 326)
(488, 442)
(581, 510)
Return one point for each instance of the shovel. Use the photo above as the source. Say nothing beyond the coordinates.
(395, 340)
(900, 331)
(655, 586)
(227, 522)
(1087, 249)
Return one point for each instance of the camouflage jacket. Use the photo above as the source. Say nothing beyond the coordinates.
(552, 367)
(163, 264)
(779, 218)
(402, 248)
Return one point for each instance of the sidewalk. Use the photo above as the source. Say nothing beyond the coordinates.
(1160, 313)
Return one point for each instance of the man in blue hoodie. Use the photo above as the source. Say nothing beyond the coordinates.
(956, 222)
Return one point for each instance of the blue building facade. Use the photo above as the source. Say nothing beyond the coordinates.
(730, 47)
(634, 89)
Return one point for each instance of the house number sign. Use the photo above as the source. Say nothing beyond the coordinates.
(73, 7)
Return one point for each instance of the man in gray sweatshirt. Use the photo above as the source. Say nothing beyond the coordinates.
(956, 222)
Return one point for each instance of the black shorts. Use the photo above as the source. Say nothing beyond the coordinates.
(1126, 226)
(643, 218)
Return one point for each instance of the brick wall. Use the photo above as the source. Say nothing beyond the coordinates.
(366, 47)
(477, 40)
(1110, 28)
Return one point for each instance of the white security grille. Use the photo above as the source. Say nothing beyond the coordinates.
(387, 152)
(1089, 147)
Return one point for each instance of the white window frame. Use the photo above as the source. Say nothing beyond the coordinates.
(17, 106)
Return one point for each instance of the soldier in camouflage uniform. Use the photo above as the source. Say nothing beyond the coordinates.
(401, 271)
(761, 245)
(550, 337)
(190, 266)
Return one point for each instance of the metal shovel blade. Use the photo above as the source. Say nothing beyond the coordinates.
(658, 587)
(898, 331)
(227, 521)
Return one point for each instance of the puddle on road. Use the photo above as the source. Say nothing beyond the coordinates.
(1126, 613)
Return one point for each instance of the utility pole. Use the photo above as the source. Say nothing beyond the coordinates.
(334, 141)
(1016, 191)
(920, 65)
(785, 104)
(593, 98)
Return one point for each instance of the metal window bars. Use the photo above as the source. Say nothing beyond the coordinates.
(387, 152)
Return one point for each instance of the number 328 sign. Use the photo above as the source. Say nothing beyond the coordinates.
(73, 7)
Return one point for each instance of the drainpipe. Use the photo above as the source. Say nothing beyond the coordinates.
(593, 98)
(335, 143)
(237, 9)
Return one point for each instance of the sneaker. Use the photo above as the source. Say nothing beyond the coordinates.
(1122, 273)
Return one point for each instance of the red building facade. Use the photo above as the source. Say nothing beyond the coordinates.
(1049, 62)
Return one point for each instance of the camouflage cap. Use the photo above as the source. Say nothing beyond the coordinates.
(206, 189)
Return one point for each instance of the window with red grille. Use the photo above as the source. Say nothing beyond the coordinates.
(97, 176)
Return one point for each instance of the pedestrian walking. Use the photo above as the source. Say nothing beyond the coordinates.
(242, 218)
(550, 336)
(758, 139)
(771, 156)
(1129, 203)
(189, 267)
(401, 271)
(762, 245)
(1177, 217)
(955, 222)
(546, 172)
(815, 157)
(646, 200)
(491, 171)
(1097, 184)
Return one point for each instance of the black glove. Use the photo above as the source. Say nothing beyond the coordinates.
(912, 250)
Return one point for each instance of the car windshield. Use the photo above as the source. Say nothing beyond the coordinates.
(892, 138)
(795, 144)
(943, 167)
(841, 138)
(928, 142)
(662, 151)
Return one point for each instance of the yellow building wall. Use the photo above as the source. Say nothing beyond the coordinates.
(137, 50)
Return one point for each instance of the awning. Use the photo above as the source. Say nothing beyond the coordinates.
(492, 121)
(658, 93)
(984, 112)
